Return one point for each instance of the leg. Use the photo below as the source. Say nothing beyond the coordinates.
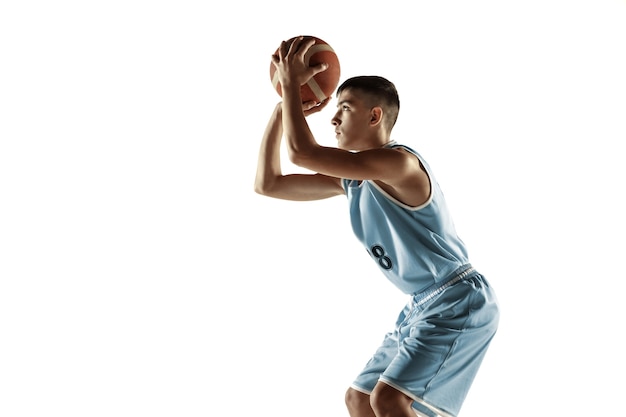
(357, 401)
(358, 404)
(387, 401)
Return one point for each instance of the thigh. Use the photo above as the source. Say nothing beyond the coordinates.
(384, 355)
(442, 347)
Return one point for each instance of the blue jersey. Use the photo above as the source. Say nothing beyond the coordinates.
(415, 247)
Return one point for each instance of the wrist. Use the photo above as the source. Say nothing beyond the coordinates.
(288, 85)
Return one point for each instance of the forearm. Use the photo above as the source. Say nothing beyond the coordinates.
(268, 165)
(298, 136)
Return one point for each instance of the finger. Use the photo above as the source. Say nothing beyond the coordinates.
(307, 43)
(293, 46)
(296, 41)
(324, 103)
(311, 107)
(304, 44)
(308, 105)
(283, 50)
(316, 69)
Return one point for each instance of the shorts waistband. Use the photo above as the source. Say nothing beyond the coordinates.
(436, 289)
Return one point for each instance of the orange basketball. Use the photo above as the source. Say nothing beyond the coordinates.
(323, 84)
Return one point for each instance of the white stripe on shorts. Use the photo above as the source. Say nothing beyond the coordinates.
(430, 294)
(440, 413)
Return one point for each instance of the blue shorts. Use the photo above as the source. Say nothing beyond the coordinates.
(438, 344)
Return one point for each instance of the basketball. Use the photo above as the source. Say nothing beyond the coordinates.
(323, 84)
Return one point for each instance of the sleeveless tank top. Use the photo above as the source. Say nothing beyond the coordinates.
(414, 247)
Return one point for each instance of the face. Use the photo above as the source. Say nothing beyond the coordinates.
(352, 121)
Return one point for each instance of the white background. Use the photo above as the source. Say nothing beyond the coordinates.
(141, 276)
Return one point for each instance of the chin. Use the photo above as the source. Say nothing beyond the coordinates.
(341, 142)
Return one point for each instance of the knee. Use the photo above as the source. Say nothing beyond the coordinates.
(385, 399)
(381, 401)
(356, 402)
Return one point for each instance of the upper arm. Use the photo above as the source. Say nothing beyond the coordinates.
(398, 171)
(303, 187)
(384, 164)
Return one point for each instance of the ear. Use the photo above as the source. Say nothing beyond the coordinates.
(376, 116)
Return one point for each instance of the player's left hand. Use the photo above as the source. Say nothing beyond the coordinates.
(290, 65)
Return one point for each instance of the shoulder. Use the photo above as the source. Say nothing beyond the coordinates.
(412, 185)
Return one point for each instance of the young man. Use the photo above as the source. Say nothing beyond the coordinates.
(426, 365)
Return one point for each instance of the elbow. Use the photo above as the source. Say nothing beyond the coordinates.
(295, 157)
(261, 188)
(265, 187)
(301, 148)
(259, 183)
(298, 157)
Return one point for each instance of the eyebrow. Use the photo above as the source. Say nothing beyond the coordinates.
(342, 102)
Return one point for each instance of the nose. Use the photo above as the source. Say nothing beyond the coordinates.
(335, 121)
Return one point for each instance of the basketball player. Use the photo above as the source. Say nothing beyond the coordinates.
(426, 364)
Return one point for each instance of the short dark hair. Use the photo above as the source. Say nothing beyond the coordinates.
(380, 92)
